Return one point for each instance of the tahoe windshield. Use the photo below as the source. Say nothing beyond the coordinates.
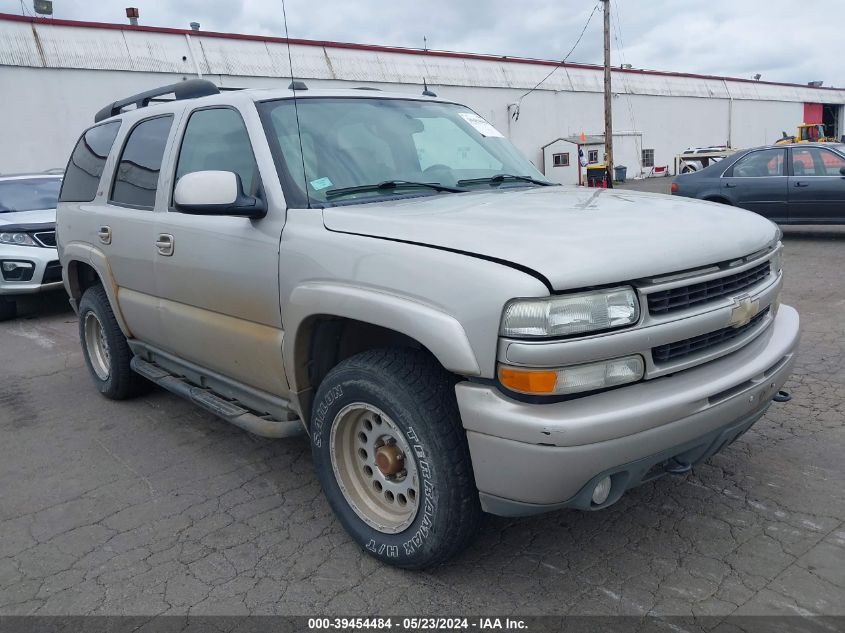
(29, 194)
(365, 149)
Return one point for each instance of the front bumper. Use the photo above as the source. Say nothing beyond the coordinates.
(530, 458)
(46, 262)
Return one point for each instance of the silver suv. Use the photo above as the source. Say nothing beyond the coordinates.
(386, 273)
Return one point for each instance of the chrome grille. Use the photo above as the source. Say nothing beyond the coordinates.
(703, 342)
(45, 238)
(674, 299)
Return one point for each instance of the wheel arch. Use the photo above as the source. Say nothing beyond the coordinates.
(84, 267)
(325, 323)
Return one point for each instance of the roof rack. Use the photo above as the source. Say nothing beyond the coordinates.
(190, 89)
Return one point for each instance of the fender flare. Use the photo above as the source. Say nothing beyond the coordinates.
(96, 259)
(438, 331)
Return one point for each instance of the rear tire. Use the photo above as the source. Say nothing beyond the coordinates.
(106, 352)
(392, 458)
(8, 309)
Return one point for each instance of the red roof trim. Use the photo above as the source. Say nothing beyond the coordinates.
(383, 49)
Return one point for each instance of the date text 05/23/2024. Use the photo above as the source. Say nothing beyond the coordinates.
(416, 624)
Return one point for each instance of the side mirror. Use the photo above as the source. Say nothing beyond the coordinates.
(216, 193)
(842, 170)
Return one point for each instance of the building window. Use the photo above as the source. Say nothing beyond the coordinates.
(648, 158)
(561, 160)
(593, 156)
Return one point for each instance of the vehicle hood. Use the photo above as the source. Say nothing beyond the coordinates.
(44, 216)
(574, 237)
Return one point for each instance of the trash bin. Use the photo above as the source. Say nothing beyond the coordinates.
(619, 173)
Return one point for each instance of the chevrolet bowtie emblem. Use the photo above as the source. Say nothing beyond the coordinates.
(744, 310)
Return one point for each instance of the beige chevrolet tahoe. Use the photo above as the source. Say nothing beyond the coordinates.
(386, 273)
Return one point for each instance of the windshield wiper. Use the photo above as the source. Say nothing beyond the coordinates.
(498, 179)
(388, 185)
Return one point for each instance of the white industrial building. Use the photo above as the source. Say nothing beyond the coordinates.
(55, 74)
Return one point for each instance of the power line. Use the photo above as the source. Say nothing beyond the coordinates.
(563, 61)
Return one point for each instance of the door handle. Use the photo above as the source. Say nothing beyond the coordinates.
(164, 244)
(729, 185)
(104, 234)
(802, 184)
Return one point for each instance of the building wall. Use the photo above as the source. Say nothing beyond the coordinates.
(564, 175)
(53, 106)
(60, 74)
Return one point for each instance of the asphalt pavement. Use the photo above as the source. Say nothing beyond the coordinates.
(152, 506)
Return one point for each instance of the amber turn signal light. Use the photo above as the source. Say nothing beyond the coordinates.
(528, 381)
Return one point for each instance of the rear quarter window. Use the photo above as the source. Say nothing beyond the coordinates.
(85, 167)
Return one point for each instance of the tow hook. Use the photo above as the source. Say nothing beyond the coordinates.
(782, 396)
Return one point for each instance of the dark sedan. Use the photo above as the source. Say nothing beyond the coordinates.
(801, 183)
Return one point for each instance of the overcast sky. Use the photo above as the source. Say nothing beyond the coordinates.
(783, 40)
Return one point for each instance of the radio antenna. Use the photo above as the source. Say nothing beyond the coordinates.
(296, 108)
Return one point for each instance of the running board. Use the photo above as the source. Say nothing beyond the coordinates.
(229, 410)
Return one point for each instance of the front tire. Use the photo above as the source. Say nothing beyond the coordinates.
(392, 457)
(106, 352)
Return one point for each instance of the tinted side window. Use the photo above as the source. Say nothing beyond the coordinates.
(137, 172)
(767, 162)
(814, 161)
(831, 163)
(217, 139)
(82, 176)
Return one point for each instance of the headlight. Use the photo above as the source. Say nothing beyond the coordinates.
(575, 379)
(570, 314)
(777, 260)
(17, 239)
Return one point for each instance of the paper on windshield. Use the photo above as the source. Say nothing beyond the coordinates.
(321, 183)
(481, 126)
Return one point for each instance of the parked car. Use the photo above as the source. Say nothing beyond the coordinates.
(789, 184)
(28, 259)
(697, 158)
(387, 273)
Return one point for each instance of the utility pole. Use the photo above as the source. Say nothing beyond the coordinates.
(608, 96)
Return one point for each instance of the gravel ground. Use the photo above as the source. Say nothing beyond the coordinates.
(152, 506)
